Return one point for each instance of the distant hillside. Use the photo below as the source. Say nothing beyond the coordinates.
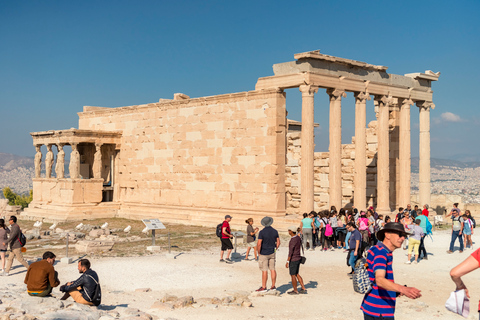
(441, 163)
(9, 162)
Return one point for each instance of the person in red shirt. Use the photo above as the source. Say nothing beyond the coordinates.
(425, 210)
(226, 242)
(467, 266)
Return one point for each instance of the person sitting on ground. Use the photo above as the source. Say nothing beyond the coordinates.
(83, 289)
(414, 240)
(293, 260)
(41, 277)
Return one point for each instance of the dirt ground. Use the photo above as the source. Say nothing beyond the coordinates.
(194, 269)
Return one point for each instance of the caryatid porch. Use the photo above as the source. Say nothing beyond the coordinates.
(91, 168)
(312, 71)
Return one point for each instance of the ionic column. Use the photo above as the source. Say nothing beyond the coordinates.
(48, 161)
(335, 147)
(383, 161)
(38, 161)
(97, 161)
(60, 165)
(424, 155)
(74, 166)
(308, 145)
(360, 177)
(404, 154)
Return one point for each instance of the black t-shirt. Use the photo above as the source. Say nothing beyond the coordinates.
(269, 240)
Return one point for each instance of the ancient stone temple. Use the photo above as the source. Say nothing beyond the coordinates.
(194, 160)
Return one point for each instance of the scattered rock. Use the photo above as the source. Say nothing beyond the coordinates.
(168, 298)
(85, 246)
(163, 306)
(183, 302)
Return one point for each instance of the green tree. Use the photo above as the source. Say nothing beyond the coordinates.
(9, 195)
(17, 199)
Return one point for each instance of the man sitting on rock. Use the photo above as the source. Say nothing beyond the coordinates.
(84, 289)
(41, 277)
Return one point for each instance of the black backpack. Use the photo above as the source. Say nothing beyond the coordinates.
(97, 294)
(219, 230)
(22, 239)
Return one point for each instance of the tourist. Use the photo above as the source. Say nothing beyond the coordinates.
(41, 277)
(15, 246)
(267, 245)
(334, 225)
(412, 212)
(467, 231)
(407, 221)
(341, 229)
(293, 260)
(457, 228)
(379, 223)
(379, 303)
(83, 289)
(399, 215)
(354, 245)
(423, 225)
(371, 228)
(425, 210)
(308, 228)
(226, 242)
(387, 219)
(4, 231)
(317, 224)
(251, 238)
(465, 267)
(414, 240)
(362, 224)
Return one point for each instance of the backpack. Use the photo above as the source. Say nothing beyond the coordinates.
(316, 222)
(361, 279)
(473, 221)
(429, 226)
(97, 294)
(219, 230)
(363, 225)
(328, 230)
(22, 239)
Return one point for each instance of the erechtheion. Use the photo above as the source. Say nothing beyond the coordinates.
(194, 160)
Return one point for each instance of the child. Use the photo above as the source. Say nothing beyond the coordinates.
(251, 239)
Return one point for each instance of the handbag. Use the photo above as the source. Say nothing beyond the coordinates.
(302, 258)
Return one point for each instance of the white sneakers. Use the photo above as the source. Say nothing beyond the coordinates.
(408, 262)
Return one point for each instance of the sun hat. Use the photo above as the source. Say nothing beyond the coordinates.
(458, 303)
(395, 227)
(267, 221)
(293, 228)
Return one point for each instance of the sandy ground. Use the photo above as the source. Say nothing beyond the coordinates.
(330, 291)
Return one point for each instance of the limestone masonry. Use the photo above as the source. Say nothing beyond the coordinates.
(193, 160)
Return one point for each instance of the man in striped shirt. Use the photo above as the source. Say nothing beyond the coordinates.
(379, 303)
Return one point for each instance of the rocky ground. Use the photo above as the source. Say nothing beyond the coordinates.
(195, 285)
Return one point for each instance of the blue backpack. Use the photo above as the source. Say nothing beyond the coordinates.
(429, 227)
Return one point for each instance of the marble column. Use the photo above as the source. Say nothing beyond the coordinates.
(48, 161)
(60, 165)
(308, 146)
(38, 161)
(335, 147)
(360, 177)
(383, 161)
(74, 166)
(424, 155)
(404, 156)
(97, 161)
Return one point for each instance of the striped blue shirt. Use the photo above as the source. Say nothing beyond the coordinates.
(379, 302)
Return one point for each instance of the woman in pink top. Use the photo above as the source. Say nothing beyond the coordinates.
(362, 224)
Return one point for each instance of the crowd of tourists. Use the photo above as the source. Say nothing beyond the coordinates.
(41, 276)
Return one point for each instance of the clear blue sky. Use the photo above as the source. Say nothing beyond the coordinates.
(57, 56)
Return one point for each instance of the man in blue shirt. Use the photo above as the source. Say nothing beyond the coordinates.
(267, 245)
(354, 245)
(379, 303)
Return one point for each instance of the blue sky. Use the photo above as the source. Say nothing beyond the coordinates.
(57, 56)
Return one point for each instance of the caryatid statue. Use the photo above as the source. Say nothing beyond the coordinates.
(49, 161)
(38, 161)
(74, 166)
(60, 165)
(97, 162)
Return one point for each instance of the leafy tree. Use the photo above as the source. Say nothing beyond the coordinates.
(17, 199)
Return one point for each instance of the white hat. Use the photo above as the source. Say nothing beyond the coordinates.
(458, 303)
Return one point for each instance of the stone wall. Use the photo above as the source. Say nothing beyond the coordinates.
(197, 158)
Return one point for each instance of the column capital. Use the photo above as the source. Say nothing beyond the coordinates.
(386, 100)
(362, 96)
(336, 94)
(308, 89)
(425, 105)
(407, 102)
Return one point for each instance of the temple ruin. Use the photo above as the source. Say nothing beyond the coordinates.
(193, 160)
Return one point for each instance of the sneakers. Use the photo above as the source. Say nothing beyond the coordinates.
(5, 274)
(415, 262)
(273, 288)
(449, 251)
(261, 289)
(408, 262)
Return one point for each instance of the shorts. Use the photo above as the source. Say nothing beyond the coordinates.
(226, 244)
(294, 267)
(266, 262)
(252, 244)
